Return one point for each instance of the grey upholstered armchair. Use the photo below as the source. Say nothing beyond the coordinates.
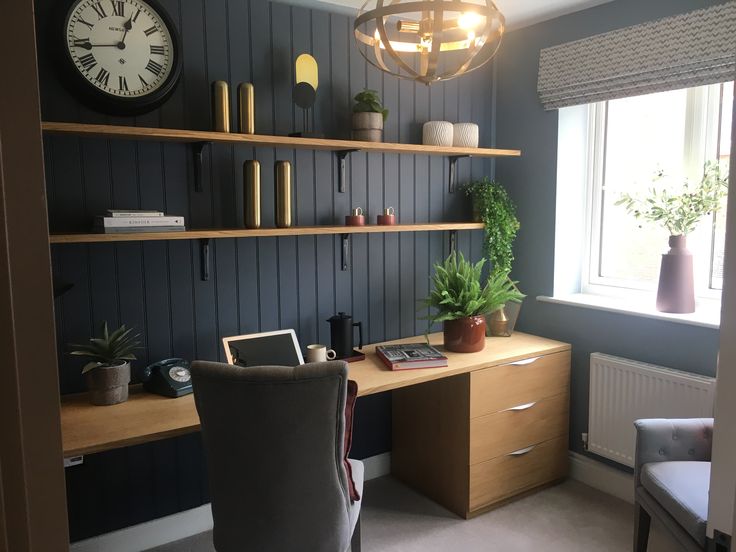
(274, 439)
(672, 479)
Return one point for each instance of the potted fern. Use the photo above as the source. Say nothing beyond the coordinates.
(679, 213)
(108, 374)
(460, 302)
(493, 207)
(368, 116)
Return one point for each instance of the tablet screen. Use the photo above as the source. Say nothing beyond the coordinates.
(263, 350)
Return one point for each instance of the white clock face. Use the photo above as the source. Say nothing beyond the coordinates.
(121, 47)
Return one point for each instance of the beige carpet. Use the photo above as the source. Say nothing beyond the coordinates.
(566, 518)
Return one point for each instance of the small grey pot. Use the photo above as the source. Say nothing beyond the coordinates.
(108, 384)
(368, 127)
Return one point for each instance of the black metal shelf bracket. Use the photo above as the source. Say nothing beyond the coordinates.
(453, 240)
(453, 171)
(344, 251)
(341, 171)
(197, 151)
(204, 258)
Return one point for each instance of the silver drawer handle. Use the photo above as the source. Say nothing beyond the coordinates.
(522, 452)
(525, 361)
(526, 406)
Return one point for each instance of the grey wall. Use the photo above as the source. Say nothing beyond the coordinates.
(522, 123)
(256, 284)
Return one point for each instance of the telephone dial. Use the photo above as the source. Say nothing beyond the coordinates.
(169, 377)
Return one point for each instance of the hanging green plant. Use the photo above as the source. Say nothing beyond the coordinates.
(493, 206)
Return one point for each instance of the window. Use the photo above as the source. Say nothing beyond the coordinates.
(629, 141)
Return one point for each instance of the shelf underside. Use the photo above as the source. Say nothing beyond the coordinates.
(261, 140)
(261, 232)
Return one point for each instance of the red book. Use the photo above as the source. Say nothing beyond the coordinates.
(410, 356)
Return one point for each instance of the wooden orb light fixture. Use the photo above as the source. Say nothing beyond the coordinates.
(428, 40)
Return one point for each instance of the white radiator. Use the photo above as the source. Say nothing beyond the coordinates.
(623, 390)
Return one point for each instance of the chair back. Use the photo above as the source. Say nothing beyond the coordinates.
(273, 439)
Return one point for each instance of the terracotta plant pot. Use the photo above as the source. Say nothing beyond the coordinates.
(108, 384)
(368, 126)
(465, 335)
(676, 293)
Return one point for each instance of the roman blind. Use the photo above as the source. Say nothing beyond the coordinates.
(692, 49)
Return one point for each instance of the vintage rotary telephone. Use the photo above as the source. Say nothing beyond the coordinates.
(169, 377)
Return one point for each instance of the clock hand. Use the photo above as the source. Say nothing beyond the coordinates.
(88, 46)
(127, 26)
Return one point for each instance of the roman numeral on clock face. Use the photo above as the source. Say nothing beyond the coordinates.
(154, 67)
(118, 8)
(83, 22)
(122, 83)
(159, 50)
(101, 13)
(143, 81)
(135, 17)
(150, 31)
(103, 77)
(88, 61)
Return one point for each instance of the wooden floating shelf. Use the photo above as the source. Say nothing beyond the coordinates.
(263, 232)
(263, 140)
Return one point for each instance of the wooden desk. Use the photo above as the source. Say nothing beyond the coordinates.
(87, 429)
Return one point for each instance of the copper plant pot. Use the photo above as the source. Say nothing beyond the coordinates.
(465, 335)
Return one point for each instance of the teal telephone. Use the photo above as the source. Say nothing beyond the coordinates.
(169, 377)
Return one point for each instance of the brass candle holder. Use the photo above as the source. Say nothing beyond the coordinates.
(252, 194)
(246, 108)
(220, 106)
(282, 182)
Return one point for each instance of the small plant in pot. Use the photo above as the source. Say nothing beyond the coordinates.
(461, 302)
(368, 117)
(493, 207)
(108, 374)
(679, 213)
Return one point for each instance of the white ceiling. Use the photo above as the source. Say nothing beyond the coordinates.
(518, 13)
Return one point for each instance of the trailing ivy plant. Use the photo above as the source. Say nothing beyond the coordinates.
(109, 349)
(498, 214)
(368, 101)
(680, 212)
(457, 291)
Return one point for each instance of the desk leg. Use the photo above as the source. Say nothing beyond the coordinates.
(431, 429)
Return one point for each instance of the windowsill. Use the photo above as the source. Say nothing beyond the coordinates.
(706, 315)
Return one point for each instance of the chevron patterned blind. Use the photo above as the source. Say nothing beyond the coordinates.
(692, 49)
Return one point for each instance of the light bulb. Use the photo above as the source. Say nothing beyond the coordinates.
(469, 20)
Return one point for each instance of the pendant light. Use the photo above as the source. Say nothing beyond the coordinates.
(428, 40)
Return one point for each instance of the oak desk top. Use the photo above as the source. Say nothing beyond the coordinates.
(145, 417)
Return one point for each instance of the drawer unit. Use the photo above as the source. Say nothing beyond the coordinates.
(520, 382)
(477, 439)
(518, 471)
(517, 427)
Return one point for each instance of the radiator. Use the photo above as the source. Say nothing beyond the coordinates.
(623, 390)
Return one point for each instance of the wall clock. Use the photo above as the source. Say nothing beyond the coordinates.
(123, 56)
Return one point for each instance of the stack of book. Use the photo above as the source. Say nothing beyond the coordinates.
(410, 356)
(118, 221)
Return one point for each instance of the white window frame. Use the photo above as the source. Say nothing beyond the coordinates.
(700, 104)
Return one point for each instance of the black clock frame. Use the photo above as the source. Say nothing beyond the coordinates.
(97, 99)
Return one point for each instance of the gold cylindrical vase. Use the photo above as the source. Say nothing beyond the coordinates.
(252, 194)
(282, 180)
(246, 108)
(220, 107)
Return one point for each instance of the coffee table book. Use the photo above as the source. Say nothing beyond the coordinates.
(410, 356)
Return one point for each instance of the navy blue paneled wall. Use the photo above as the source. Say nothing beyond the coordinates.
(256, 284)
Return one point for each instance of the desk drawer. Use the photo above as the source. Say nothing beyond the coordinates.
(497, 434)
(511, 474)
(500, 387)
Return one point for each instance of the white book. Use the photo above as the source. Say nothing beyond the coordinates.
(133, 213)
(124, 222)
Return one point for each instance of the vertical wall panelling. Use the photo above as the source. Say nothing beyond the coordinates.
(255, 284)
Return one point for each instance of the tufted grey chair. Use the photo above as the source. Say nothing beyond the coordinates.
(672, 479)
(274, 439)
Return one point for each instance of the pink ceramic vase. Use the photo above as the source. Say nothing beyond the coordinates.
(676, 293)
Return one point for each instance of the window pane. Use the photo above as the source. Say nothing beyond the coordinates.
(645, 134)
(724, 150)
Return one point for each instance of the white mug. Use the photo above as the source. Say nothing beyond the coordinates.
(319, 353)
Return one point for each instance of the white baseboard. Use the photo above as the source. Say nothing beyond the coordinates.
(187, 523)
(602, 477)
